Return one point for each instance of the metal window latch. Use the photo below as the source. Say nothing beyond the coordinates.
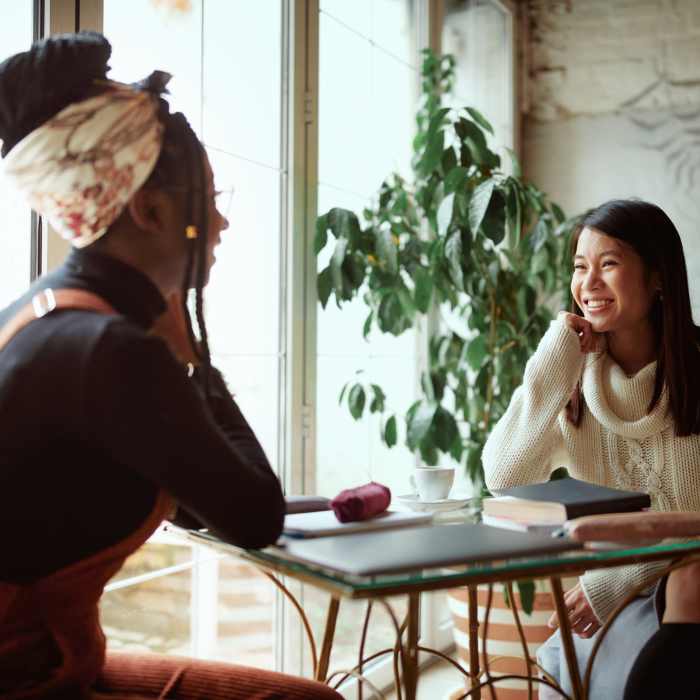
(44, 302)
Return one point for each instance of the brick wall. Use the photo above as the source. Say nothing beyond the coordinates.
(612, 107)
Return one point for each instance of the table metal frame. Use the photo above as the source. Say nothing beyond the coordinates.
(405, 653)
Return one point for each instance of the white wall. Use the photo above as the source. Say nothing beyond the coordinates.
(612, 107)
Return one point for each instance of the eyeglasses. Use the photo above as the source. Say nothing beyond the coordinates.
(223, 199)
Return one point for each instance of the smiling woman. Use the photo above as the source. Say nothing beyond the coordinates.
(611, 394)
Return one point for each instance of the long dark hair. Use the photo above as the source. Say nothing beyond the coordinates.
(652, 235)
(183, 153)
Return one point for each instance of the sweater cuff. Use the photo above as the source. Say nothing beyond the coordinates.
(558, 359)
(597, 588)
(605, 589)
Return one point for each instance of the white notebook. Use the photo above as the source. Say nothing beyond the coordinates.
(325, 523)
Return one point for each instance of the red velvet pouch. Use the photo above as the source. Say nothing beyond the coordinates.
(361, 503)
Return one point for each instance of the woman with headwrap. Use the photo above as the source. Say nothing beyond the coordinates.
(110, 414)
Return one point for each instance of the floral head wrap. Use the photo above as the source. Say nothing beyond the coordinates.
(81, 167)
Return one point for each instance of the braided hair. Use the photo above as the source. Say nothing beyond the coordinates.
(67, 68)
(182, 151)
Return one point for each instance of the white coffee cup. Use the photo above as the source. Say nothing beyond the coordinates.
(433, 483)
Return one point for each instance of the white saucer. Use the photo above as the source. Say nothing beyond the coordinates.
(412, 501)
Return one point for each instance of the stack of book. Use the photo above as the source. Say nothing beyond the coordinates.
(544, 508)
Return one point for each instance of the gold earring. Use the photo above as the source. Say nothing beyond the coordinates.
(191, 232)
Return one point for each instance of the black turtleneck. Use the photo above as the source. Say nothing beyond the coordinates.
(96, 415)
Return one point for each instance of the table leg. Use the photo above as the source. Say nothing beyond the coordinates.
(566, 637)
(410, 671)
(474, 668)
(328, 634)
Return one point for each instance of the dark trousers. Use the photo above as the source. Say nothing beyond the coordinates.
(667, 666)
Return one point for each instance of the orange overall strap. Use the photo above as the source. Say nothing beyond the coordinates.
(48, 300)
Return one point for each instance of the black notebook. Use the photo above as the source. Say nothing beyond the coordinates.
(561, 500)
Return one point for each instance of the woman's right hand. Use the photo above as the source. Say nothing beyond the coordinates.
(589, 341)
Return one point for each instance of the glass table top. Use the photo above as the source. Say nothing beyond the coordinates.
(572, 562)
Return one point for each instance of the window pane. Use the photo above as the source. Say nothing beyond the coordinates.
(225, 56)
(478, 35)
(366, 122)
(16, 29)
(366, 126)
(153, 615)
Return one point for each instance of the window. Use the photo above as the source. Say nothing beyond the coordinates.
(220, 54)
(16, 33)
(368, 80)
(479, 33)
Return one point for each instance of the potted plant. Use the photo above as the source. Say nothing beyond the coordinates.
(480, 250)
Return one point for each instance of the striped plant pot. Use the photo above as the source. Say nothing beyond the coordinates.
(505, 651)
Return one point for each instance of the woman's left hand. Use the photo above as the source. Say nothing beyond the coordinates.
(582, 619)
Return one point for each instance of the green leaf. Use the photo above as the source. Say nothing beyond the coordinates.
(494, 223)
(513, 217)
(457, 448)
(437, 120)
(540, 261)
(378, 399)
(539, 235)
(344, 224)
(432, 154)
(438, 379)
(526, 589)
(354, 270)
(390, 315)
(321, 236)
(474, 465)
(421, 421)
(454, 179)
(387, 249)
(444, 214)
(558, 213)
(448, 160)
(476, 352)
(356, 401)
(324, 285)
(336, 265)
(453, 254)
(428, 453)
(444, 429)
(427, 386)
(475, 408)
(479, 118)
(406, 300)
(479, 204)
(367, 325)
(474, 142)
(390, 432)
(517, 169)
(526, 300)
(342, 393)
(423, 291)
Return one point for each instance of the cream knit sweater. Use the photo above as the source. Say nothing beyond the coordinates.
(617, 443)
